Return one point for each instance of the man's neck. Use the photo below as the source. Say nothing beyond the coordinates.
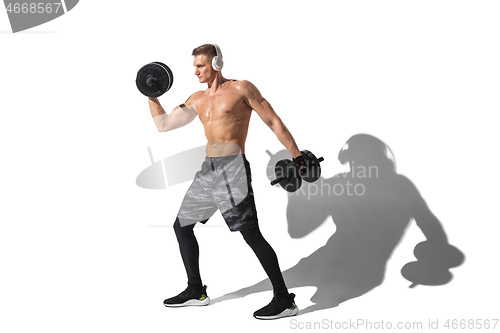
(216, 84)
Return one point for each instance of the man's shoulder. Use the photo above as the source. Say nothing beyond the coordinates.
(198, 94)
(243, 85)
(194, 97)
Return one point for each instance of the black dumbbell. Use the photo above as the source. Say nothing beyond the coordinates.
(287, 175)
(290, 176)
(154, 79)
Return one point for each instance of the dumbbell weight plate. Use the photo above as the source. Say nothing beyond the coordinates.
(169, 71)
(163, 75)
(286, 168)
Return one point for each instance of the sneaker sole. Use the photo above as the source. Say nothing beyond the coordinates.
(191, 302)
(286, 313)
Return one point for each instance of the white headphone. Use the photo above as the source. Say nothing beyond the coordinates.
(217, 62)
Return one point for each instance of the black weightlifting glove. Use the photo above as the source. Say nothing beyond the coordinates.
(299, 160)
(300, 163)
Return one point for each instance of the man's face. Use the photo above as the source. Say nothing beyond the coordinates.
(203, 68)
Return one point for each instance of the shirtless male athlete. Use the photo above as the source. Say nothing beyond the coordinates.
(224, 181)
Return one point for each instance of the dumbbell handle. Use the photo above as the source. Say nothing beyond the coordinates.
(277, 180)
(151, 80)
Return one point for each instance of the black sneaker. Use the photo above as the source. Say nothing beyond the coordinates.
(278, 308)
(189, 297)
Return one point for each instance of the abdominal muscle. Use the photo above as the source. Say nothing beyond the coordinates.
(225, 138)
(226, 130)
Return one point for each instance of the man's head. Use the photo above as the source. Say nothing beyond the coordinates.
(206, 49)
(203, 56)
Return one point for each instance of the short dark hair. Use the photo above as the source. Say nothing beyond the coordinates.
(206, 49)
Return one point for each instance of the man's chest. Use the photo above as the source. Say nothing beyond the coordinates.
(219, 105)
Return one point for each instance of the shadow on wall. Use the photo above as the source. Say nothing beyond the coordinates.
(372, 207)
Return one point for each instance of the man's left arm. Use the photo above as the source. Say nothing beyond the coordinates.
(259, 104)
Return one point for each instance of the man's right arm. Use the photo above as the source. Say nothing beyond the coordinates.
(180, 116)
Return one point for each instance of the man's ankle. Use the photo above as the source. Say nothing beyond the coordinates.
(196, 285)
(285, 295)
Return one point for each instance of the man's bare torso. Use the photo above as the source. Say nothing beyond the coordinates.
(225, 116)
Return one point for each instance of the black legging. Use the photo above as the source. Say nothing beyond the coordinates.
(188, 246)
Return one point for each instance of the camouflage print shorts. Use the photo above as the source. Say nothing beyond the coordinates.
(225, 184)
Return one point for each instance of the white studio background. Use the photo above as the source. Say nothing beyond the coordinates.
(85, 249)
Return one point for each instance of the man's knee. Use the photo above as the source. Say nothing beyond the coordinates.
(182, 231)
(177, 224)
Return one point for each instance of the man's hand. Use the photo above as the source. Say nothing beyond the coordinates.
(308, 166)
(299, 161)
